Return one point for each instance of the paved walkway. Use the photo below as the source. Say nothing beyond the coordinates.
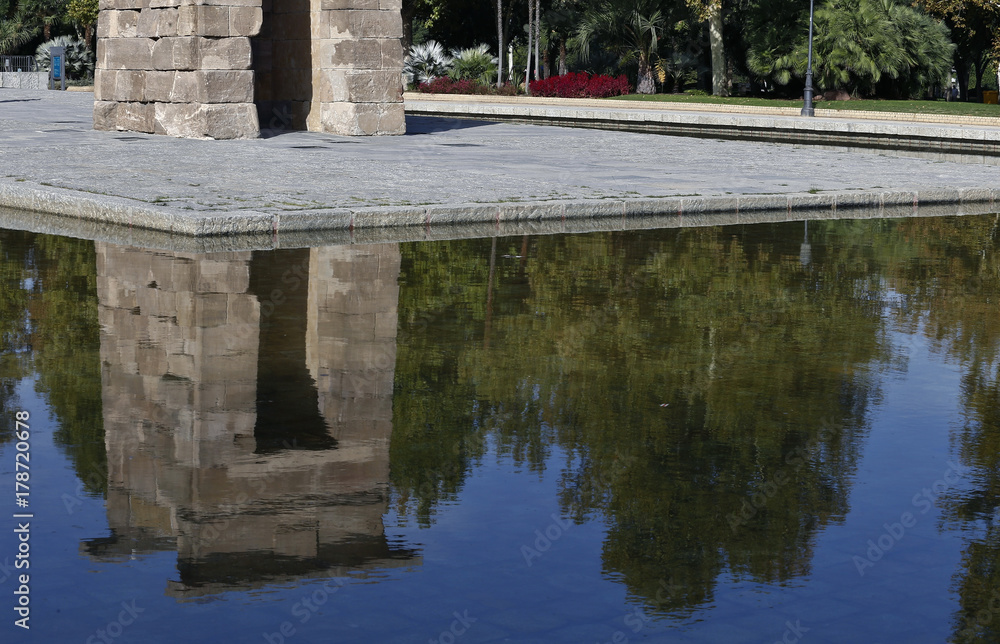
(976, 137)
(443, 171)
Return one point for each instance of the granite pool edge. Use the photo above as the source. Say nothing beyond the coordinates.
(124, 213)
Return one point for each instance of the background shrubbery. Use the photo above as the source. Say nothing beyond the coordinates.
(581, 85)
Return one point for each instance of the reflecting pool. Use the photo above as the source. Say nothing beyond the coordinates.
(774, 432)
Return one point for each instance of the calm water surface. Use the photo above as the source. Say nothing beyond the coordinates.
(733, 434)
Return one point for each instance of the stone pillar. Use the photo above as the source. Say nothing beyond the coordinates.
(187, 68)
(177, 67)
(357, 76)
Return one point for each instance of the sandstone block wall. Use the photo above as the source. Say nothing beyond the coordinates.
(222, 69)
(177, 67)
(181, 352)
(358, 75)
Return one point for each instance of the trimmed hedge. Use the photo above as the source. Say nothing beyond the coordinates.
(581, 85)
(445, 85)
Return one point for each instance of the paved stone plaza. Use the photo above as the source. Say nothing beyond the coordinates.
(441, 171)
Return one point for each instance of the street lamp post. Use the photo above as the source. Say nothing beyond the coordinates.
(807, 94)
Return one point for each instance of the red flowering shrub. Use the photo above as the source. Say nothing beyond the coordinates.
(445, 85)
(571, 85)
(581, 85)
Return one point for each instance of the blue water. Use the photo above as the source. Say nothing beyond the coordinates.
(580, 462)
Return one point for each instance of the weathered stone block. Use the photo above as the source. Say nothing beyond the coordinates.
(224, 86)
(104, 24)
(362, 119)
(129, 85)
(201, 20)
(228, 3)
(105, 115)
(135, 117)
(365, 24)
(158, 86)
(124, 53)
(198, 120)
(158, 23)
(224, 53)
(179, 53)
(391, 119)
(350, 54)
(349, 119)
(245, 21)
(180, 119)
(183, 67)
(186, 88)
(232, 121)
(361, 86)
(392, 54)
(122, 4)
(104, 84)
(340, 5)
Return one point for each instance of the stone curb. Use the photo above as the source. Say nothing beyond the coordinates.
(666, 106)
(122, 213)
(937, 138)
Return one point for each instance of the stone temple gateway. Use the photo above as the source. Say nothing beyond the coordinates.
(225, 69)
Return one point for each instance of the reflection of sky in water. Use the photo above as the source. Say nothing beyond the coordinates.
(496, 560)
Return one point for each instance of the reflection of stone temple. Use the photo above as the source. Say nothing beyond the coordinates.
(248, 411)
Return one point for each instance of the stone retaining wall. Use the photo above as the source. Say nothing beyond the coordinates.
(24, 80)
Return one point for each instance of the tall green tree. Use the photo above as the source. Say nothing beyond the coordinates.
(975, 28)
(25, 20)
(867, 48)
(643, 365)
(710, 11)
(630, 28)
(83, 14)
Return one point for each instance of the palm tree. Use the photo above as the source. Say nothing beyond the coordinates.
(630, 28)
(25, 22)
(866, 47)
(17, 30)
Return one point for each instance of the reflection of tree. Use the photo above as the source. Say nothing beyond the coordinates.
(681, 371)
(441, 306)
(48, 314)
(14, 343)
(950, 283)
(66, 343)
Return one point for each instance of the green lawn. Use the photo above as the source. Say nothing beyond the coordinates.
(918, 107)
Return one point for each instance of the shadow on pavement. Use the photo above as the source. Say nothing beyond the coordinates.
(431, 124)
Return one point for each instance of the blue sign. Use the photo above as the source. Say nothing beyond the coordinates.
(57, 67)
